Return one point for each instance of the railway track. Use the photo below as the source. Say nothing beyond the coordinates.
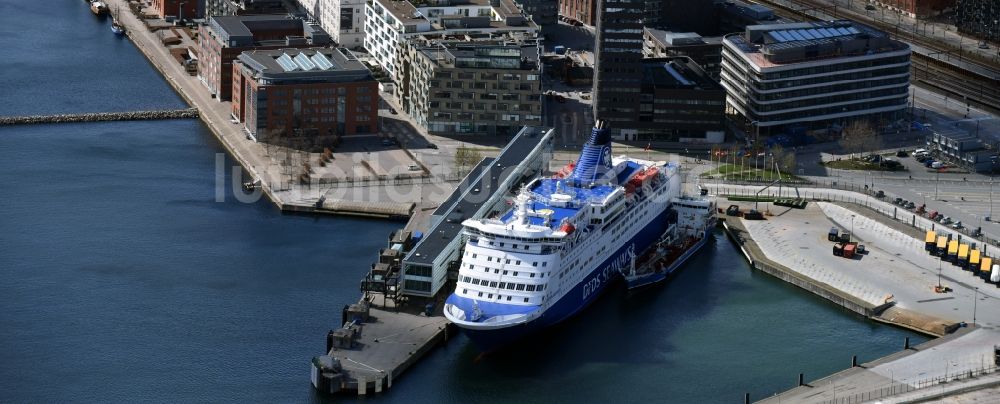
(979, 87)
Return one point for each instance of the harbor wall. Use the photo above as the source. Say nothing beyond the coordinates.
(100, 117)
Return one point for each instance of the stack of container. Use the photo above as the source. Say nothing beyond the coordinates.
(962, 255)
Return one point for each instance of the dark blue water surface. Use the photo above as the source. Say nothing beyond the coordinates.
(122, 279)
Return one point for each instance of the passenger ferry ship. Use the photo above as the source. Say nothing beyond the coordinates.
(564, 241)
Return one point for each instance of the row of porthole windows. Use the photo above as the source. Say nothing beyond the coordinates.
(503, 285)
(506, 261)
(505, 272)
(490, 296)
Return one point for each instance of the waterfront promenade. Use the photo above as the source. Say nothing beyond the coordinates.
(348, 188)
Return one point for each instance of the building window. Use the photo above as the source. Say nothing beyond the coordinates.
(526, 300)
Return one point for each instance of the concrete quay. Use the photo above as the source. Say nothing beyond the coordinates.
(391, 340)
(344, 186)
(892, 283)
(100, 117)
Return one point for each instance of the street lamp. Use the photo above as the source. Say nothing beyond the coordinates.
(851, 236)
(975, 298)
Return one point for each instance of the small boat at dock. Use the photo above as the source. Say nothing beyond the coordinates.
(117, 26)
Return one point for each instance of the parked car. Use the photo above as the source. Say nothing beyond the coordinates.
(901, 153)
(937, 165)
(939, 218)
(929, 162)
(911, 205)
(932, 214)
(870, 7)
(946, 221)
(897, 201)
(880, 194)
(958, 225)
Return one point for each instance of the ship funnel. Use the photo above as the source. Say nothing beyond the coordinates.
(594, 164)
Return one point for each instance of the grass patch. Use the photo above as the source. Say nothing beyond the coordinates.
(862, 165)
(744, 173)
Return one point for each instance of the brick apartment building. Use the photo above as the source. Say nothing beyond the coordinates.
(584, 11)
(313, 92)
(224, 38)
(181, 9)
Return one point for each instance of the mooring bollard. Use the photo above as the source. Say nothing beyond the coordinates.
(800, 379)
(854, 361)
(906, 343)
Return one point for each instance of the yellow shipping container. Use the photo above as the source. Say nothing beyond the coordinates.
(987, 264)
(931, 236)
(953, 247)
(942, 242)
(963, 251)
(974, 258)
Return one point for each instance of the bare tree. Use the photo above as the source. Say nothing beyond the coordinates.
(858, 137)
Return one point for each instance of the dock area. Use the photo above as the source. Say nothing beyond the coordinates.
(893, 282)
(391, 339)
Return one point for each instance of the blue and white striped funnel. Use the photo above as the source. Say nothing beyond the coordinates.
(594, 163)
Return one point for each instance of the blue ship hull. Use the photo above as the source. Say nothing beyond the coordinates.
(581, 296)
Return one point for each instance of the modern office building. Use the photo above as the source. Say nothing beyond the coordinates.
(618, 64)
(736, 16)
(224, 38)
(980, 18)
(584, 11)
(814, 75)
(918, 8)
(215, 8)
(180, 9)
(679, 102)
(541, 12)
(314, 92)
(706, 52)
(682, 15)
(389, 23)
(456, 86)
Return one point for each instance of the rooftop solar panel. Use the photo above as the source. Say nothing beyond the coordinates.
(853, 30)
(779, 36)
(807, 34)
(286, 63)
(321, 61)
(843, 31)
(816, 34)
(797, 35)
(303, 61)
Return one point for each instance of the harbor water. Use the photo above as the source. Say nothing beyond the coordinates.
(125, 278)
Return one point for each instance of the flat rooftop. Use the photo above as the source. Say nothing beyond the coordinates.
(770, 45)
(329, 64)
(680, 39)
(483, 56)
(244, 30)
(467, 200)
(676, 72)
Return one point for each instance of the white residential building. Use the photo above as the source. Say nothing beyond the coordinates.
(344, 20)
(388, 23)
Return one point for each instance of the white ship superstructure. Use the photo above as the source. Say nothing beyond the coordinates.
(564, 240)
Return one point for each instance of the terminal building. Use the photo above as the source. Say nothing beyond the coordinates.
(963, 149)
(433, 261)
(224, 38)
(802, 76)
(316, 92)
(484, 87)
(679, 102)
